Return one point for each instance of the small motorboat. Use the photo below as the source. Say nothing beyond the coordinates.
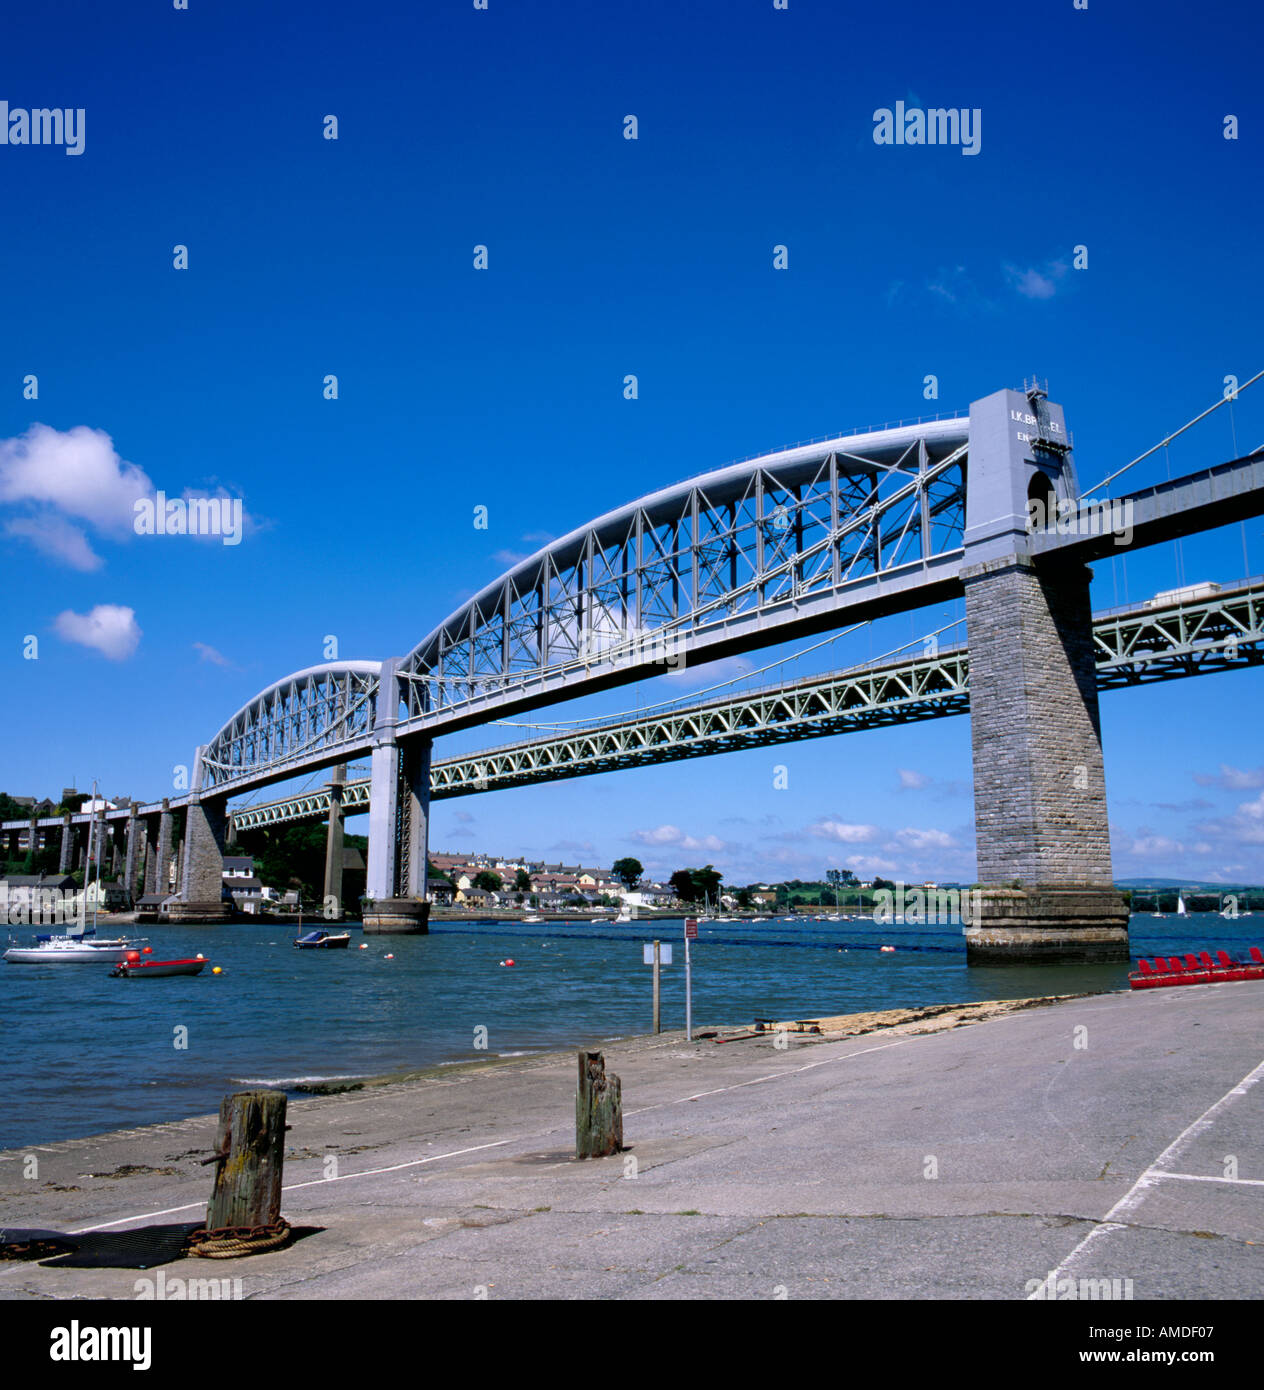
(323, 941)
(1196, 970)
(134, 968)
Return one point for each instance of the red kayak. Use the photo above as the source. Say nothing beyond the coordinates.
(136, 969)
(1197, 970)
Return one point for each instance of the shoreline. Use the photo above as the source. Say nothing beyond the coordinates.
(914, 1019)
(782, 1164)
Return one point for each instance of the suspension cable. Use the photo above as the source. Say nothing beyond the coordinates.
(1164, 442)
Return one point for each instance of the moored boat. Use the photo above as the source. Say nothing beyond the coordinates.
(1198, 969)
(133, 968)
(323, 940)
(71, 950)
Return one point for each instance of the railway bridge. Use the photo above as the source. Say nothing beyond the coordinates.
(795, 542)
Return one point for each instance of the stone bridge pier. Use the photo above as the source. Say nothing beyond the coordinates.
(334, 841)
(66, 849)
(1039, 783)
(201, 892)
(399, 821)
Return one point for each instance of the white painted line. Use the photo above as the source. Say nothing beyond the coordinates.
(773, 1076)
(1202, 1177)
(1155, 1172)
(293, 1186)
(500, 1143)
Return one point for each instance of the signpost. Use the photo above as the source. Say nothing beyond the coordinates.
(656, 955)
(691, 934)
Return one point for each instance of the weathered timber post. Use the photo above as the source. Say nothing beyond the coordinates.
(598, 1109)
(250, 1151)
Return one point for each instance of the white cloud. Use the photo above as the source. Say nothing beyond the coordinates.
(844, 833)
(1160, 847)
(868, 864)
(1232, 778)
(673, 835)
(108, 629)
(208, 653)
(1036, 284)
(925, 839)
(54, 536)
(75, 472)
(661, 835)
(912, 781)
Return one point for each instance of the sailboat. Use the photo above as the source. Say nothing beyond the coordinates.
(1181, 909)
(76, 947)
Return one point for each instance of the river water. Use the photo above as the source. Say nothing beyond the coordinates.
(87, 1053)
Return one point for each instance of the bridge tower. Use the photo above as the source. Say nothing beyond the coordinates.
(1039, 783)
(399, 817)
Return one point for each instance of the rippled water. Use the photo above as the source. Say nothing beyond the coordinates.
(87, 1053)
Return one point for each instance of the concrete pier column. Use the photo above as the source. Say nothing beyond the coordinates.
(116, 832)
(67, 845)
(416, 806)
(79, 844)
(393, 908)
(334, 838)
(1046, 891)
(382, 881)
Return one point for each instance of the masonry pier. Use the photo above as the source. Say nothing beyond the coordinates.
(201, 893)
(1039, 781)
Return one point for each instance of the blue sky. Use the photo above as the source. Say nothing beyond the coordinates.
(503, 388)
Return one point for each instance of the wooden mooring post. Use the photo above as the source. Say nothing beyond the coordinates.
(249, 1154)
(598, 1109)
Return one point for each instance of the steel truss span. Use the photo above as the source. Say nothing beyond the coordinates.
(317, 714)
(733, 559)
(1155, 641)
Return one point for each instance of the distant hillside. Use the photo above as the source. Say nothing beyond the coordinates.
(1197, 885)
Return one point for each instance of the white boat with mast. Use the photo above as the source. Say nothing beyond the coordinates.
(76, 947)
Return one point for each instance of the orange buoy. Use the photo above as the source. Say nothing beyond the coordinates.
(148, 951)
(132, 957)
(217, 970)
(390, 955)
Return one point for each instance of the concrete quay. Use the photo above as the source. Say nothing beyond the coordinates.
(1116, 1136)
